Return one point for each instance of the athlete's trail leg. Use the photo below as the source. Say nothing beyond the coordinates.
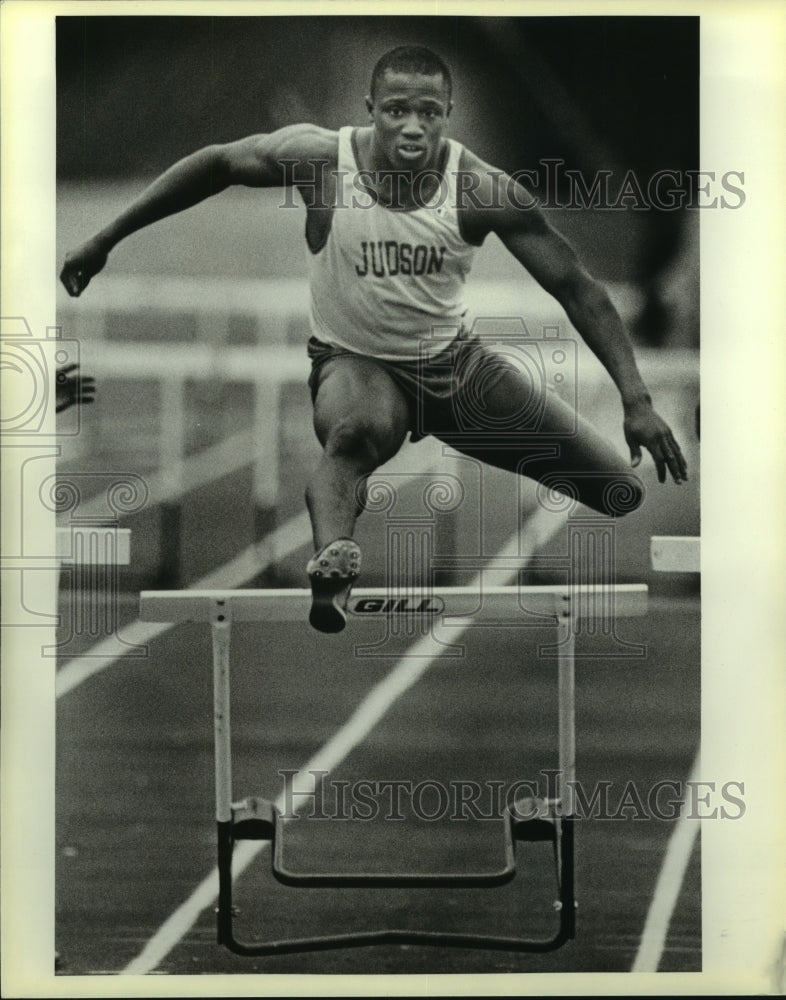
(586, 463)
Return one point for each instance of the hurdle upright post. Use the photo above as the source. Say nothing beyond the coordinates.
(220, 628)
(566, 704)
(220, 622)
(171, 453)
(567, 618)
(266, 468)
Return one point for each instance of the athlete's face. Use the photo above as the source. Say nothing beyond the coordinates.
(409, 112)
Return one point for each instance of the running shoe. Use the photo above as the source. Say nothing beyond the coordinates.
(332, 572)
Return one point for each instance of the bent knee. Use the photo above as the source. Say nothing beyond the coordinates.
(365, 440)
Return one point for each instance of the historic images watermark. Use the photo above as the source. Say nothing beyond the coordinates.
(549, 185)
(314, 795)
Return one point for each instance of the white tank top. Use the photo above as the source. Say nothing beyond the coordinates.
(386, 281)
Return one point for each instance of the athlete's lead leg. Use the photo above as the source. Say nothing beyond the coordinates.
(361, 420)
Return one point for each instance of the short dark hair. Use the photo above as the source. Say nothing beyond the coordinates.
(411, 59)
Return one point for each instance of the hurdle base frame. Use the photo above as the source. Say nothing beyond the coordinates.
(530, 819)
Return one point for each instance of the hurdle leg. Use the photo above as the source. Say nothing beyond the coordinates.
(566, 704)
(220, 622)
(566, 725)
(171, 454)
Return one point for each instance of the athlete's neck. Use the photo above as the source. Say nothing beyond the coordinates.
(396, 187)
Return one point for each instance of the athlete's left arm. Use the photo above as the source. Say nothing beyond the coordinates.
(504, 207)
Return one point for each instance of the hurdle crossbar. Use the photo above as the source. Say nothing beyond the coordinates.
(255, 818)
(488, 605)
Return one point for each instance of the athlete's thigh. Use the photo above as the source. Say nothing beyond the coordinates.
(537, 434)
(357, 398)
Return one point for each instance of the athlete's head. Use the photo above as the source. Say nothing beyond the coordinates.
(409, 105)
(411, 59)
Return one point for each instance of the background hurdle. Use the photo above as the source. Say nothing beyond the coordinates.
(93, 543)
(95, 551)
(675, 553)
(461, 607)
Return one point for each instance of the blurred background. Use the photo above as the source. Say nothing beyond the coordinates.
(196, 329)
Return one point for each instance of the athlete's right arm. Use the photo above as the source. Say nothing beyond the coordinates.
(267, 160)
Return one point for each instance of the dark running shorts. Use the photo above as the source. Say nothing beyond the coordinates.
(526, 427)
(439, 391)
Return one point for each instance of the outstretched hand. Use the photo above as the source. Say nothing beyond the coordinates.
(644, 428)
(81, 265)
(72, 388)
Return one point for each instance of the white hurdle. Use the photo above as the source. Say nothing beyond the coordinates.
(93, 543)
(675, 553)
(459, 607)
(94, 551)
(257, 818)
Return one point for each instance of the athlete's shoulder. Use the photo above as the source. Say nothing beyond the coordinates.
(469, 160)
(492, 184)
(304, 140)
(278, 157)
(489, 198)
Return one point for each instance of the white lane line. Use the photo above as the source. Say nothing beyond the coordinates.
(667, 888)
(407, 671)
(103, 654)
